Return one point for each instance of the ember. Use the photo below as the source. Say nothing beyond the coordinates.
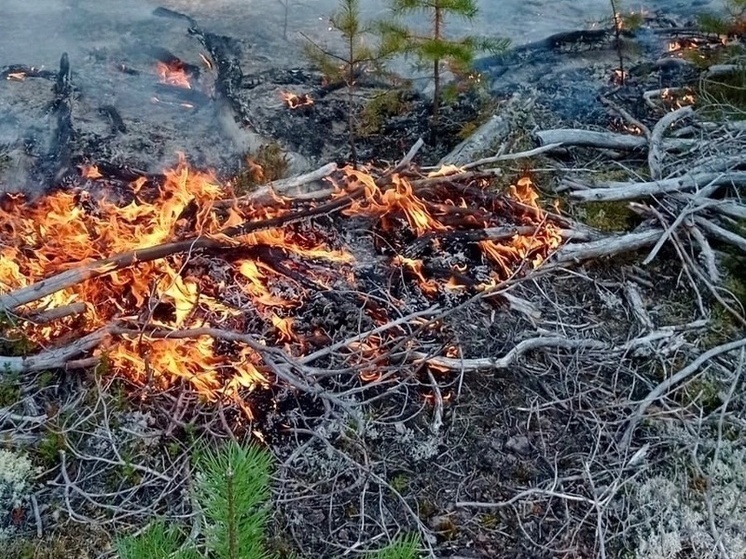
(173, 74)
(296, 101)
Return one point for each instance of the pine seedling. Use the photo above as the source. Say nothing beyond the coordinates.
(435, 49)
(356, 58)
(232, 490)
(159, 541)
(734, 24)
(401, 548)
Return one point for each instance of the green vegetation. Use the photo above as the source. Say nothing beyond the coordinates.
(232, 489)
(10, 389)
(434, 49)
(346, 67)
(607, 216)
(380, 109)
(733, 25)
(269, 163)
(77, 541)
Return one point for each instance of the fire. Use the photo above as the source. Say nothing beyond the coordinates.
(399, 200)
(90, 172)
(16, 76)
(262, 277)
(173, 74)
(678, 98)
(62, 230)
(296, 101)
(428, 286)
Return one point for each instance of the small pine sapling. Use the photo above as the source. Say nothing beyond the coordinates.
(621, 23)
(435, 48)
(403, 547)
(232, 492)
(734, 25)
(232, 488)
(347, 66)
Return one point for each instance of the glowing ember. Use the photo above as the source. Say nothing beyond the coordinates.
(677, 98)
(91, 172)
(296, 101)
(206, 61)
(173, 74)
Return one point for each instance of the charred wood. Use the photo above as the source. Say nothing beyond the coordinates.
(173, 14)
(114, 118)
(21, 71)
(55, 167)
(225, 53)
(182, 94)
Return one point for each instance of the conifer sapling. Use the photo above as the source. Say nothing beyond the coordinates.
(350, 64)
(435, 48)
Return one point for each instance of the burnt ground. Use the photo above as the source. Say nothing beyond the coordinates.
(521, 462)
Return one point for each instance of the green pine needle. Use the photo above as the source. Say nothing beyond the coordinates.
(232, 489)
(159, 541)
(403, 547)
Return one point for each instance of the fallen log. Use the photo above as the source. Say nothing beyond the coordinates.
(54, 358)
(605, 140)
(630, 191)
(92, 270)
(608, 246)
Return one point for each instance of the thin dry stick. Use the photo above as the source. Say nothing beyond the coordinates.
(492, 363)
(655, 152)
(672, 381)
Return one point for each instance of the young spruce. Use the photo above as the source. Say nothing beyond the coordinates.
(347, 66)
(434, 48)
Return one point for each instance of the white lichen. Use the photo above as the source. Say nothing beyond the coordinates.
(672, 513)
(16, 471)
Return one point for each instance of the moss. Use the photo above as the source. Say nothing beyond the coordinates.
(725, 97)
(48, 450)
(399, 482)
(724, 327)
(607, 216)
(489, 521)
(269, 163)
(486, 110)
(10, 389)
(73, 540)
(14, 343)
(45, 379)
(380, 109)
(703, 392)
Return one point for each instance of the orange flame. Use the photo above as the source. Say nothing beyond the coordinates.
(182, 292)
(296, 101)
(173, 74)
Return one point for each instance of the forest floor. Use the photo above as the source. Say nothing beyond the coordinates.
(589, 409)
